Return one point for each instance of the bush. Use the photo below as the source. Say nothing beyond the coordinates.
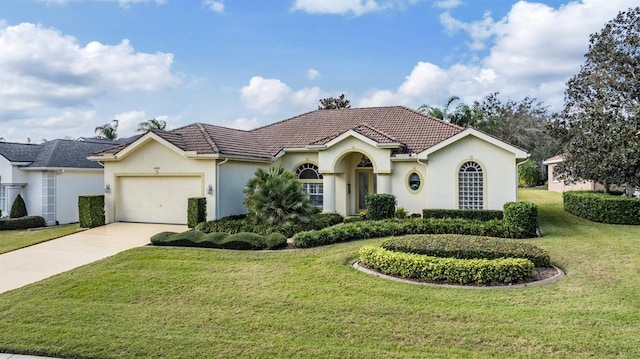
(448, 270)
(241, 241)
(529, 174)
(601, 207)
(375, 229)
(18, 208)
(467, 247)
(401, 213)
(196, 211)
(91, 210)
(240, 223)
(22, 223)
(523, 215)
(480, 215)
(380, 206)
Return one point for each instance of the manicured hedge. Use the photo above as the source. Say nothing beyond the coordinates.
(196, 211)
(22, 223)
(601, 207)
(91, 210)
(18, 208)
(467, 247)
(523, 215)
(236, 224)
(447, 270)
(380, 206)
(242, 240)
(480, 215)
(374, 229)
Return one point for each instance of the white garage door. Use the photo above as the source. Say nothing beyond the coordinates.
(155, 199)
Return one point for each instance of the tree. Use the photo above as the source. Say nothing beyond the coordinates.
(462, 116)
(152, 124)
(18, 208)
(529, 174)
(600, 123)
(276, 197)
(332, 103)
(522, 124)
(108, 131)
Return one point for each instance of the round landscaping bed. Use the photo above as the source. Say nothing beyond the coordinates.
(455, 260)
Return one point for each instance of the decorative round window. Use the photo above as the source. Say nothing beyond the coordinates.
(414, 181)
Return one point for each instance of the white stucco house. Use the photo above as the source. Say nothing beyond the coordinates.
(339, 155)
(50, 176)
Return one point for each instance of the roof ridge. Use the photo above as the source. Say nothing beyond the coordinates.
(377, 130)
(207, 138)
(49, 155)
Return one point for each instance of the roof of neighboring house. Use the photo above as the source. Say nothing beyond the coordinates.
(555, 159)
(56, 153)
(396, 124)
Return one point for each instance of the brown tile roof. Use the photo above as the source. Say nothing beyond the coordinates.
(415, 130)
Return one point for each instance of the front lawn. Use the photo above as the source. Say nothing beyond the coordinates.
(197, 303)
(12, 240)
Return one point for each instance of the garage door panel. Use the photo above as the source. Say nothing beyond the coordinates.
(155, 199)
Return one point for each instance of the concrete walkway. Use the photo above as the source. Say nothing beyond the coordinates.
(29, 265)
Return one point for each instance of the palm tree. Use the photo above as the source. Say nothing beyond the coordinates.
(441, 113)
(152, 124)
(108, 130)
(462, 116)
(276, 197)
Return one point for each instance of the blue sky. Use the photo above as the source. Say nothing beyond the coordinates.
(67, 66)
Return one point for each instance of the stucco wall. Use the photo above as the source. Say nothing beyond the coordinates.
(234, 175)
(499, 167)
(412, 201)
(144, 161)
(556, 185)
(69, 185)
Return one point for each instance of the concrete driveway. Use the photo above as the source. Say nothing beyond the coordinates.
(28, 265)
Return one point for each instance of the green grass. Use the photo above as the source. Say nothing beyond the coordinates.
(195, 303)
(12, 240)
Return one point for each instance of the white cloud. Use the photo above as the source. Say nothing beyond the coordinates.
(42, 67)
(313, 74)
(217, 6)
(532, 51)
(447, 4)
(128, 122)
(123, 3)
(244, 123)
(264, 94)
(344, 7)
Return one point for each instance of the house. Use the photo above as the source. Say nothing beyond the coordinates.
(556, 185)
(340, 156)
(50, 176)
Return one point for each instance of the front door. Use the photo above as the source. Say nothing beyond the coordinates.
(366, 186)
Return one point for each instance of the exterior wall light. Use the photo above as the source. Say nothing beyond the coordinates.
(210, 189)
(107, 188)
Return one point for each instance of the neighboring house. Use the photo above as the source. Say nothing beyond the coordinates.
(50, 176)
(556, 185)
(340, 156)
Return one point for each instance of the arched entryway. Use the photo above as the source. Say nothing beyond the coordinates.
(354, 178)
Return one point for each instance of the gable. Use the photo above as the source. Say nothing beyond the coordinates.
(480, 137)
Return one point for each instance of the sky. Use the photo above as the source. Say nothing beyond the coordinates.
(68, 66)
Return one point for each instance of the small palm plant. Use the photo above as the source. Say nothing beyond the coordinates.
(276, 197)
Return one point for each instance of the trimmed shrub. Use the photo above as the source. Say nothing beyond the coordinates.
(22, 223)
(480, 215)
(601, 207)
(467, 247)
(196, 211)
(380, 206)
(91, 210)
(242, 240)
(275, 241)
(240, 223)
(375, 229)
(523, 215)
(447, 270)
(18, 208)
(401, 213)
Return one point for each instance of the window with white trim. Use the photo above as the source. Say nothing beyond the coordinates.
(470, 186)
(311, 180)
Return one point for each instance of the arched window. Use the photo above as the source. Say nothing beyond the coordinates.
(470, 186)
(311, 180)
